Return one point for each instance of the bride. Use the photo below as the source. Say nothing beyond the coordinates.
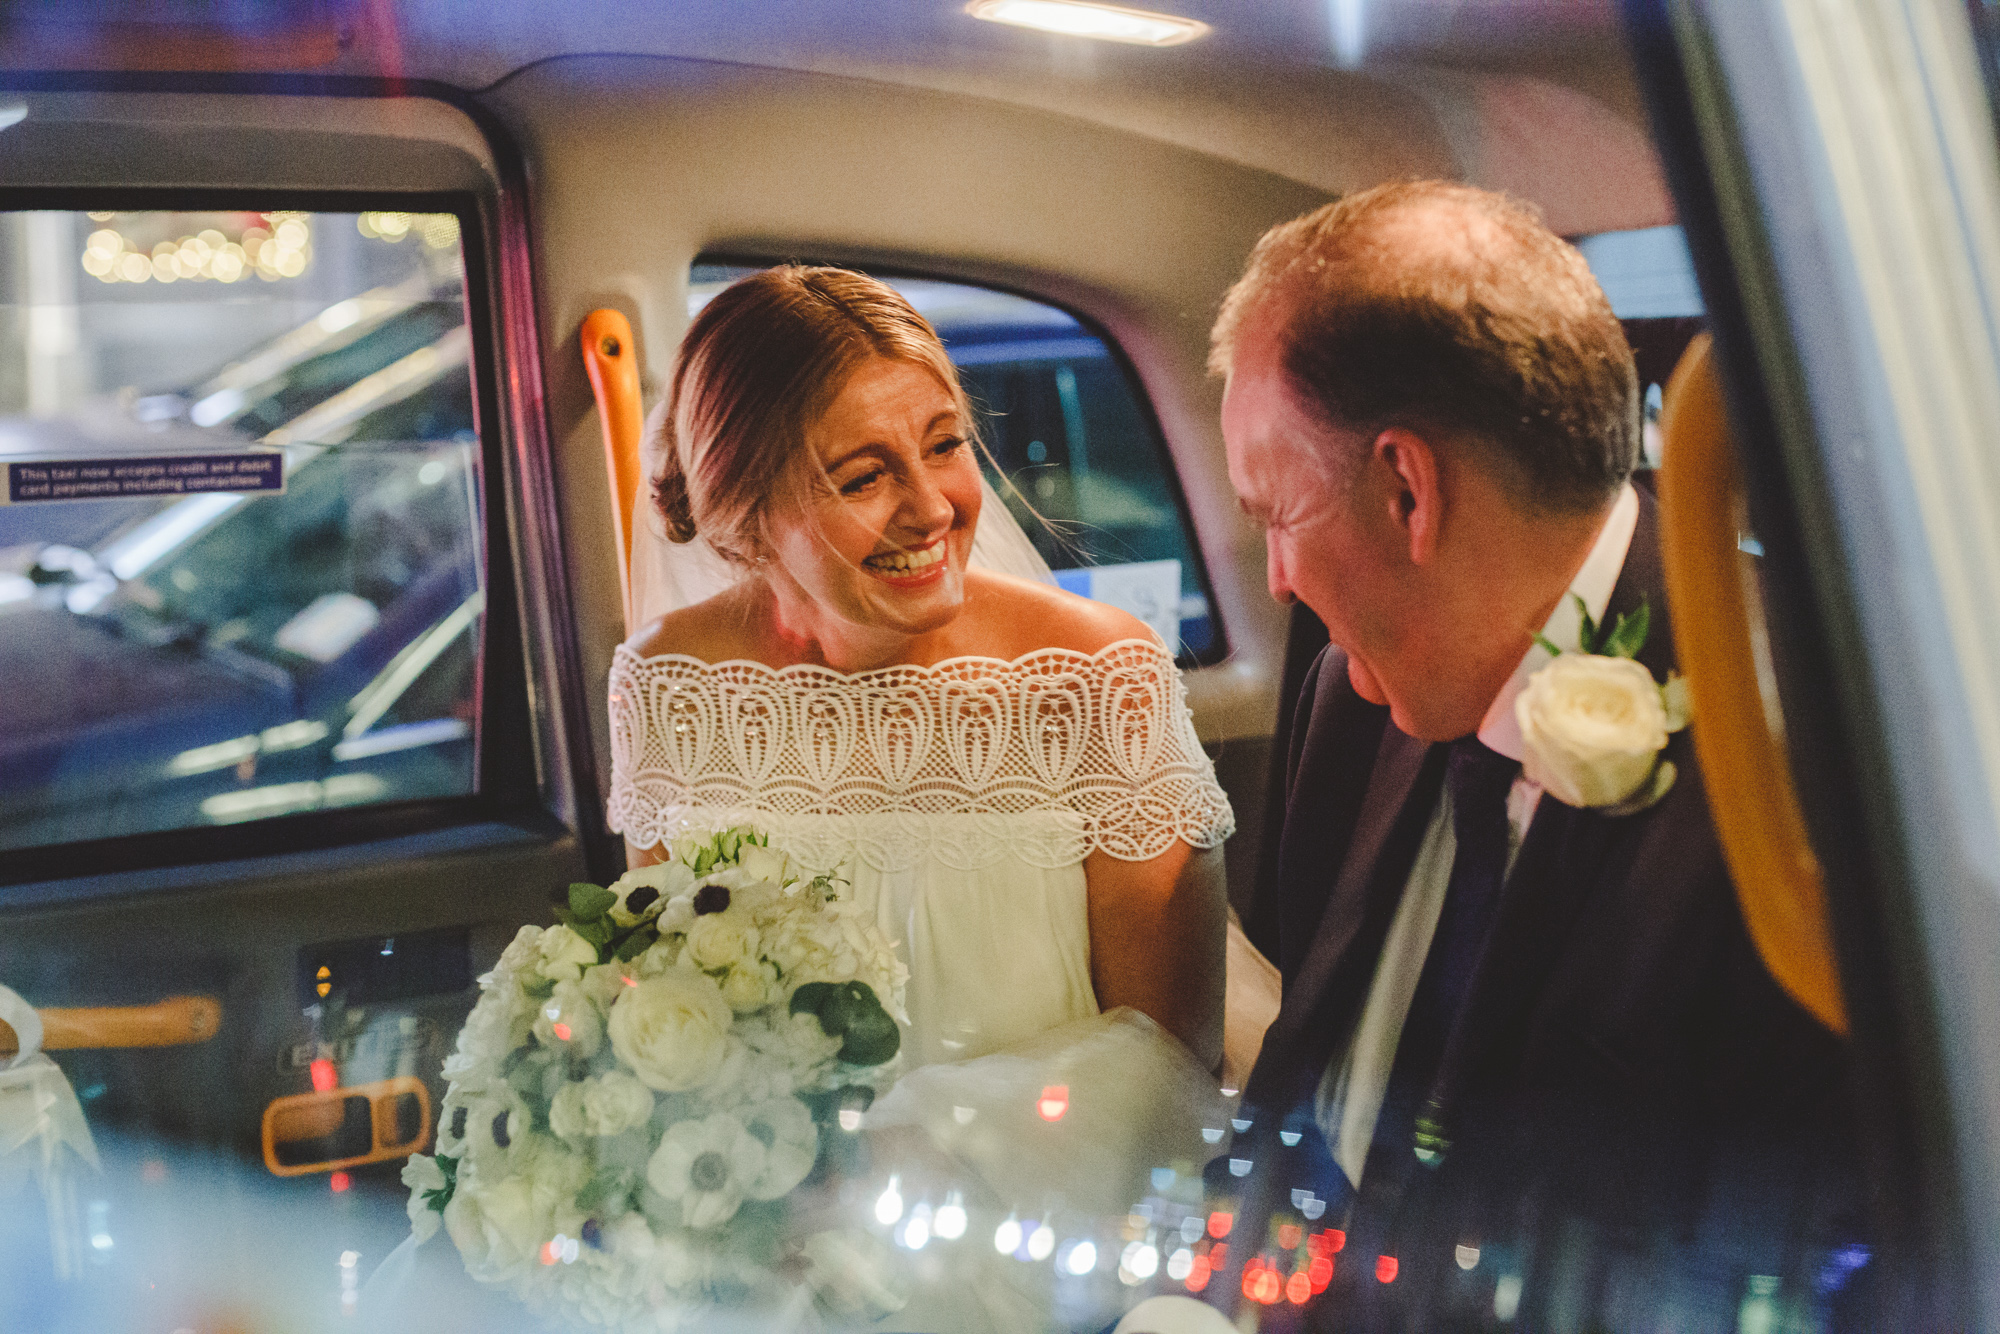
(1005, 773)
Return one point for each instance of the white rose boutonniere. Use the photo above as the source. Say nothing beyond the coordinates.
(1594, 722)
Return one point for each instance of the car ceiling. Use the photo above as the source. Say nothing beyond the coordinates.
(1532, 96)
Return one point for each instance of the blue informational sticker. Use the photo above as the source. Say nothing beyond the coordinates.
(32, 481)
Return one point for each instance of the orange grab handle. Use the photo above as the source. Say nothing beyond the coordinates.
(173, 1022)
(612, 363)
(1717, 624)
(311, 1115)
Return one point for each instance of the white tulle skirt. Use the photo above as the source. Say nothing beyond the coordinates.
(1069, 1131)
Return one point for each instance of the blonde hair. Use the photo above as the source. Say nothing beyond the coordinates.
(762, 363)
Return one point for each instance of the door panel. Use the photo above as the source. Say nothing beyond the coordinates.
(338, 812)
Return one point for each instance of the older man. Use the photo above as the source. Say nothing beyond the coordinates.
(1528, 1055)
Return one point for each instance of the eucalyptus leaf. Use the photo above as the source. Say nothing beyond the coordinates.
(604, 1188)
(597, 931)
(851, 1012)
(589, 902)
(635, 944)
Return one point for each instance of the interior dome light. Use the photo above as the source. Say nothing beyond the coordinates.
(1077, 18)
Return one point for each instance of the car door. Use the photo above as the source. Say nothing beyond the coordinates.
(288, 756)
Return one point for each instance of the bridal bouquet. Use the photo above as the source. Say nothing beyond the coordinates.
(642, 1089)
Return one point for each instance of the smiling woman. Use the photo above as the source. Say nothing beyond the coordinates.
(1002, 776)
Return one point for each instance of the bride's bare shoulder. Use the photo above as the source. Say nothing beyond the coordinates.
(721, 629)
(1020, 617)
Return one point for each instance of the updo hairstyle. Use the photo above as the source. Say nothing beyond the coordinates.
(760, 365)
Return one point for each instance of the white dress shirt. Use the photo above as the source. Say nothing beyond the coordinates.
(1352, 1090)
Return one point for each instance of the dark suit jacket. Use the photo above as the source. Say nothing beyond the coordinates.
(1622, 1047)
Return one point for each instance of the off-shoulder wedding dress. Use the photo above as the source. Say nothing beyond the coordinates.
(959, 801)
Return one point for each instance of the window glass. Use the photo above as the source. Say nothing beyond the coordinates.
(1649, 277)
(240, 566)
(1070, 447)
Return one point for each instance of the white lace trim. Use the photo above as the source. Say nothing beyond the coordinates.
(1051, 756)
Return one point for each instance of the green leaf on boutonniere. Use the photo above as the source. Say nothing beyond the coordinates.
(1679, 704)
(1547, 645)
(1656, 786)
(1586, 640)
(1628, 636)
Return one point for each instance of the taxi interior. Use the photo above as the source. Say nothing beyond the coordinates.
(285, 769)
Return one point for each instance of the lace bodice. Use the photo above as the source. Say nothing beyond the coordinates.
(1050, 756)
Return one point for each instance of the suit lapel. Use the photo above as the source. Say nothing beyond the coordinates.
(1559, 866)
(1325, 1002)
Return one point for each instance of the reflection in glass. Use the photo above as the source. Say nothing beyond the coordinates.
(187, 652)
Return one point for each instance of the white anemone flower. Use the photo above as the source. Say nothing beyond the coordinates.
(708, 1166)
(791, 1145)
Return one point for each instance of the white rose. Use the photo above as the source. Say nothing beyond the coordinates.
(690, 845)
(662, 955)
(523, 952)
(616, 1102)
(569, 1021)
(750, 986)
(421, 1175)
(765, 864)
(498, 1023)
(566, 1112)
(554, 1176)
(672, 1030)
(1593, 726)
(720, 939)
(609, 1105)
(563, 955)
(795, 1041)
(628, 1238)
(496, 1227)
(604, 983)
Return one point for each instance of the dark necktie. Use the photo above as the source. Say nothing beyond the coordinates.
(1478, 780)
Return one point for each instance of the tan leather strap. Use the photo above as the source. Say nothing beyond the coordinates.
(173, 1022)
(1738, 736)
(612, 363)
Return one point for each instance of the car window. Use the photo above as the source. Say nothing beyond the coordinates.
(243, 484)
(1070, 446)
(1649, 278)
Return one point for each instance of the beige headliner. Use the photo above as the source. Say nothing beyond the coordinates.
(1127, 183)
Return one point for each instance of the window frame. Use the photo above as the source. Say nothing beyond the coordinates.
(506, 784)
(1219, 649)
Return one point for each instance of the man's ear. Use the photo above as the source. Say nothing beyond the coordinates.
(1416, 504)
